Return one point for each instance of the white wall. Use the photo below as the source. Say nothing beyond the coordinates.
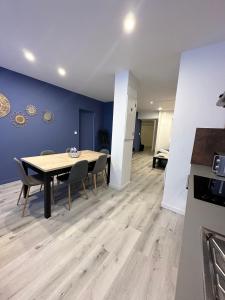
(201, 80)
(148, 115)
(163, 137)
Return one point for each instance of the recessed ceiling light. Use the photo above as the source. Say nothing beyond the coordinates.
(61, 71)
(151, 102)
(28, 55)
(129, 22)
(160, 108)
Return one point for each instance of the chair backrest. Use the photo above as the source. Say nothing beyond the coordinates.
(22, 173)
(78, 171)
(104, 150)
(68, 150)
(100, 164)
(47, 152)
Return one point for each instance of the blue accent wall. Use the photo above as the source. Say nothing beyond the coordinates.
(86, 123)
(108, 119)
(137, 137)
(37, 135)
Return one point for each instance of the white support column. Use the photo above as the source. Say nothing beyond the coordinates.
(124, 114)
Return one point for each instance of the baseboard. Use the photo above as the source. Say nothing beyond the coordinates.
(9, 180)
(173, 208)
(118, 188)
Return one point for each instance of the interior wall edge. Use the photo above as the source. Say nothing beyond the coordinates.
(173, 208)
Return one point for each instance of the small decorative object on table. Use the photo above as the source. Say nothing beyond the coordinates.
(74, 152)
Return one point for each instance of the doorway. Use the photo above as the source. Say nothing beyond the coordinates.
(86, 130)
(148, 134)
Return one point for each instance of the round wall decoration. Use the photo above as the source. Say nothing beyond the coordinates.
(31, 110)
(19, 119)
(4, 106)
(48, 116)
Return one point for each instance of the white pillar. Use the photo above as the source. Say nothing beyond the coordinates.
(124, 114)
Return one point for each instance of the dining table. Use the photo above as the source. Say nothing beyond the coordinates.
(49, 166)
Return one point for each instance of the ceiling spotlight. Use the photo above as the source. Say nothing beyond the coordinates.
(129, 22)
(61, 71)
(151, 102)
(160, 108)
(28, 55)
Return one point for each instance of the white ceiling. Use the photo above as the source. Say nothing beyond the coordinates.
(86, 38)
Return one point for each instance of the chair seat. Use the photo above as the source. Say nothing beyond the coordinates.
(35, 179)
(63, 177)
(78, 174)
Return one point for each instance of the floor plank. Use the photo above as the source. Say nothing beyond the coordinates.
(113, 245)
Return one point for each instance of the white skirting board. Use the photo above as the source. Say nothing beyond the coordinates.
(118, 188)
(174, 209)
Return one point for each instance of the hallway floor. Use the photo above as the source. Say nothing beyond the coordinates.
(116, 245)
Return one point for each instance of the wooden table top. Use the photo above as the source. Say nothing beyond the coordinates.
(52, 162)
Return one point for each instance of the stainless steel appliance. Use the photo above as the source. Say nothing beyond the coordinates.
(201, 274)
(219, 165)
(214, 264)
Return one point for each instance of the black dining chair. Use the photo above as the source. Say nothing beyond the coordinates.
(29, 181)
(47, 152)
(104, 150)
(78, 174)
(99, 167)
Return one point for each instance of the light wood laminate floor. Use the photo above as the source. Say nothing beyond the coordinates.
(113, 246)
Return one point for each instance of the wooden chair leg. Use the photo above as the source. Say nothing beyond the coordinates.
(84, 188)
(69, 196)
(26, 199)
(20, 194)
(94, 179)
(89, 181)
(104, 176)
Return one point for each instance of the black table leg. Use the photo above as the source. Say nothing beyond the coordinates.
(25, 187)
(108, 171)
(47, 196)
(153, 162)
